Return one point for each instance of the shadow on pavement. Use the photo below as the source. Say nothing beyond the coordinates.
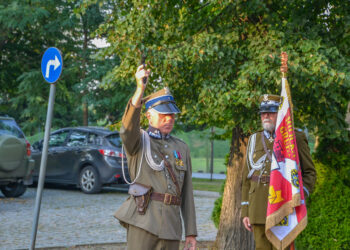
(122, 188)
(202, 245)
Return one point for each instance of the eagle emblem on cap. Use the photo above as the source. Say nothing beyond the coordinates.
(266, 97)
(167, 91)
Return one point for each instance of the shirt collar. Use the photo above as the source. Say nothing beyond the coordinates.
(268, 134)
(155, 133)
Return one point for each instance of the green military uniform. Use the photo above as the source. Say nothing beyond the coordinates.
(161, 220)
(255, 186)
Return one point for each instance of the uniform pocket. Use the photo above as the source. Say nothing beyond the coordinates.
(180, 168)
(180, 173)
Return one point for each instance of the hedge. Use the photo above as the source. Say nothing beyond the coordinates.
(328, 213)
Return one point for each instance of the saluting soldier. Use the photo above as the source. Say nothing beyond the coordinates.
(161, 164)
(256, 173)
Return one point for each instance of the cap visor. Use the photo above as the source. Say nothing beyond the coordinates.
(268, 109)
(167, 108)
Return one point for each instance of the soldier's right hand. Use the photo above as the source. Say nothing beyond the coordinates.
(246, 223)
(140, 74)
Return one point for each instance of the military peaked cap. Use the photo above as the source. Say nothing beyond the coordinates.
(161, 101)
(269, 103)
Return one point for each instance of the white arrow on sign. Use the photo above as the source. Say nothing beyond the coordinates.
(56, 63)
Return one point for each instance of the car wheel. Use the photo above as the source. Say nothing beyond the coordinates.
(14, 189)
(89, 180)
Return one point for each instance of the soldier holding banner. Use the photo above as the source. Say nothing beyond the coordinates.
(160, 167)
(256, 174)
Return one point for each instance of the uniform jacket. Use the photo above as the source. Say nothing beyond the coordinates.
(254, 194)
(160, 219)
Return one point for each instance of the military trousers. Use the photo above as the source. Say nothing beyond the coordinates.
(261, 241)
(139, 239)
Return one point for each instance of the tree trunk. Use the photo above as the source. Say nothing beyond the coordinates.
(231, 233)
(347, 118)
(85, 114)
(317, 142)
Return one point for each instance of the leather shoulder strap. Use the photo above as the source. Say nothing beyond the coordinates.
(265, 147)
(172, 175)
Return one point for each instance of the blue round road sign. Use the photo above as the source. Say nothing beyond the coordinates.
(51, 65)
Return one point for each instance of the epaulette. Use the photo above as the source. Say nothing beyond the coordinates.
(177, 138)
(257, 132)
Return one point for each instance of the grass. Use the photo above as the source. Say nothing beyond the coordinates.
(207, 184)
(200, 164)
(35, 137)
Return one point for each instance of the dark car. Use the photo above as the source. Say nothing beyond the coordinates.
(16, 164)
(89, 157)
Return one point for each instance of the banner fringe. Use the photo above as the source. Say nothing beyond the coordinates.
(280, 245)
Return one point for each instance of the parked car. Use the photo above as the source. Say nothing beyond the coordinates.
(88, 157)
(16, 164)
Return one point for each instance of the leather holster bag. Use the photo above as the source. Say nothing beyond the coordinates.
(142, 195)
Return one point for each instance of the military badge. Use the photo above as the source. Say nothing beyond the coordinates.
(179, 163)
(295, 179)
(178, 159)
(266, 97)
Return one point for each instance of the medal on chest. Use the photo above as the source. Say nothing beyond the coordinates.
(178, 159)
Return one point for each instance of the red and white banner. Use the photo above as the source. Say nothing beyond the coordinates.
(286, 209)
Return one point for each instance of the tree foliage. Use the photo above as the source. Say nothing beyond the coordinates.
(219, 56)
(27, 29)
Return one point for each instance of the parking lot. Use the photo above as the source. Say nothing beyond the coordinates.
(69, 217)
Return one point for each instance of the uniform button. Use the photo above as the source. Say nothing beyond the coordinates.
(267, 160)
(166, 146)
(155, 156)
(166, 156)
(269, 150)
(167, 175)
(169, 186)
(264, 184)
(265, 172)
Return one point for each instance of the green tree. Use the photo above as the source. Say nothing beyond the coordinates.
(219, 56)
(27, 29)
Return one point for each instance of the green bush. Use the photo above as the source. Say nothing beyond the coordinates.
(35, 137)
(215, 216)
(328, 213)
(335, 154)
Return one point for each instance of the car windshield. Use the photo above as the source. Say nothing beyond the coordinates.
(10, 127)
(115, 140)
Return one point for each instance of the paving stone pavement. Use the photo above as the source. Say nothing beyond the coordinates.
(69, 217)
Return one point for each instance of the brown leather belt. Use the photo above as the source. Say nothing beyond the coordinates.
(261, 179)
(166, 198)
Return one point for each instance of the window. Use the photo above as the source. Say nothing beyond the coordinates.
(95, 139)
(77, 138)
(58, 139)
(115, 140)
(10, 127)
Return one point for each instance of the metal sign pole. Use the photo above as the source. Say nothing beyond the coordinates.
(51, 69)
(43, 164)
